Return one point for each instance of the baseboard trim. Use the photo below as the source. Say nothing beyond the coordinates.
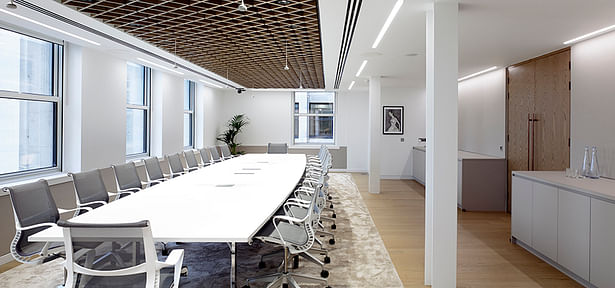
(348, 170)
(397, 177)
(7, 258)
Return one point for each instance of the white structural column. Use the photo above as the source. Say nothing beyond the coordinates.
(441, 156)
(375, 124)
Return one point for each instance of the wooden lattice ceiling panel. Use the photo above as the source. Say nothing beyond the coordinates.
(246, 47)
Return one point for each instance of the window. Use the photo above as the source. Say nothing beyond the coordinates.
(30, 104)
(137, 109)
(189, 90)
(314, 116)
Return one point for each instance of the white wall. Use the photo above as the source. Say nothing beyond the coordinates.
(592, 121)
(167, 114)
(352, 121)
(207, 119)
(396, 156)
(482, 114)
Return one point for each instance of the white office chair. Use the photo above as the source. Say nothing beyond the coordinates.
(191, 161)
(142, 268)
(154, 170)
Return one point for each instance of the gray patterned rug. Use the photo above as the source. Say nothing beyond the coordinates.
(358, 257)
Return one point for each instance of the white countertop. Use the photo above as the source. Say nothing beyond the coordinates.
(463, 154)
(600, 188)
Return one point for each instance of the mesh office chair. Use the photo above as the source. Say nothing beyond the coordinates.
(226, 152)
(215, 156)
(277, 148)
(296, 236)
(175, 163)
(142, 268)
(90, 190)
(34, 210)
(154, 171)
(127, 178)
(205, 157)
(191, 161)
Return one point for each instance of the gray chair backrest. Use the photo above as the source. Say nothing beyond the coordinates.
(89, 186)
(215, 156)
(32, 204)
(175, 163)
(205, 156)
(277, 148)
(154, 171)
(191, 159)
(127, 176)
(226, 152)
(104, 239)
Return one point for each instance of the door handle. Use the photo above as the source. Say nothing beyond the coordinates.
(529, 127)
(533, 139)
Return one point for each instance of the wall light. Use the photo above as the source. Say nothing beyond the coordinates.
(211, 84)
(351, 85)
(361, 68)
(160, 66)
(590, 35)
(388, 22)
(477, 73)
(49, 27)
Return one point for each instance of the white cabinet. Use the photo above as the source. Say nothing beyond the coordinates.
(573, 232)
(418, 165)
(544, 219)
(521, 222)
(602, 266)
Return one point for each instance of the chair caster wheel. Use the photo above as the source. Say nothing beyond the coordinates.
(184, 271)
(330, 198)
(285, 285)
(295, 262)
(327, 260)
(331, 206)
(165, 252)
(333, 226)
(334, 215)
(261, 265)
(324, 273)
(331, 241)
(246, 286)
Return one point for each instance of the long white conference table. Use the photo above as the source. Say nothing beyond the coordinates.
(226, 202)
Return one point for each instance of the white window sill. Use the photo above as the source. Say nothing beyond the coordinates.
(313, 146)
(53, 178)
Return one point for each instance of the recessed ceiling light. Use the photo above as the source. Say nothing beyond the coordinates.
(361, 68)
(282, 2)
(49, 27)
(477, 73)
(351, 85)
(242, 7)
(211, 84)
(387, 23)
(160, 66)
(590, 35)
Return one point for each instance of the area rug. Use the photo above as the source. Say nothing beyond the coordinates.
(358, 257)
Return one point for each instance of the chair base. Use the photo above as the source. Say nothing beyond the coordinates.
(289, 278)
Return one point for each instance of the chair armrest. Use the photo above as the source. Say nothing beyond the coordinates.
(131, 190)
(175, 259)
(62, 211)
(158, 181)
(92, 202)
(37, 226)
(119, 193)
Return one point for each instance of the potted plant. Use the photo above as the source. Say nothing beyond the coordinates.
(234, 126)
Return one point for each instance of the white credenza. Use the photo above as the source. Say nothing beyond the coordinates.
(418, 164)
(569, 223)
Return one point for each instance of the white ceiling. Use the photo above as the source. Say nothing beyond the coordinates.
(491, 33)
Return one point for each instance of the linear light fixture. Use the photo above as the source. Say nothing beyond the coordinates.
(361, 68)
(211, 84)
(477, 73)
(351, 85)
(590, 35)
(160, 66)
(388, 22)
(49, 27)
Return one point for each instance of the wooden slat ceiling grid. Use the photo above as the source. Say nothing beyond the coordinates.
(249, 46)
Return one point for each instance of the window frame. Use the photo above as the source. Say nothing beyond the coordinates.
(147, 91)
(57, 92)
(296, 115)
(191, 111)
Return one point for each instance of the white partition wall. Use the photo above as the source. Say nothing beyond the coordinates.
(441, 156)
(375, 124)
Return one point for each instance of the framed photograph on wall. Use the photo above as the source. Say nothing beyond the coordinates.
(393, 120)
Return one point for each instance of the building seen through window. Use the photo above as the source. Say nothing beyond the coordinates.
(314, 118)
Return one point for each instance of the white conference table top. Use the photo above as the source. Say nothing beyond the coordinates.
(225, 202)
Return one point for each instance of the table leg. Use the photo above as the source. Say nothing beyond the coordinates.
(233, 265)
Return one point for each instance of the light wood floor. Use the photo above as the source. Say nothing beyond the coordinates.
(485, 256)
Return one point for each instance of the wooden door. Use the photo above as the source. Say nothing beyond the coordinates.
(521, 90)
(552, 108)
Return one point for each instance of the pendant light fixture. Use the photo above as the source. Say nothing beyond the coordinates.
(300, 77)
(175, 52)
(286, 57)
(11, 5)
(242, 7)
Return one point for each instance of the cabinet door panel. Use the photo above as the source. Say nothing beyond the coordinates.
(521, 218)
(602, 265)
(573, 232)
(544, 220)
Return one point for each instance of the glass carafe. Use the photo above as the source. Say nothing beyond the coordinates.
(594, 171)
(586, 163)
